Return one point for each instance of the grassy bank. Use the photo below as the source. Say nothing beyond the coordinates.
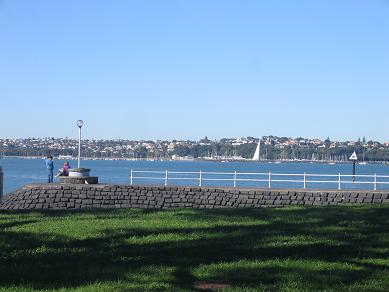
(296, 249)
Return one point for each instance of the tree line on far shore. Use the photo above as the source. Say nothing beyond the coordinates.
(220, 149)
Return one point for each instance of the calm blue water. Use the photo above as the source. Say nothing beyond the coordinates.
(18, 172)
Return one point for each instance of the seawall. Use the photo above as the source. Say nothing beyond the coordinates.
(64, 197)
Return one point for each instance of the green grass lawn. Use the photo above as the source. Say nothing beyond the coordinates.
(289, 249)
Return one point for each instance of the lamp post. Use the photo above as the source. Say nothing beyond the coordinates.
(80, 123)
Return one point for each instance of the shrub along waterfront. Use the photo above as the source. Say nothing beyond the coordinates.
(305, 249)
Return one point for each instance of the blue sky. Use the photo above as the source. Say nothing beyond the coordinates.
(189, 69)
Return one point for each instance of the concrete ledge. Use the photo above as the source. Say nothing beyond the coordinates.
(81, 196)
(79, 180)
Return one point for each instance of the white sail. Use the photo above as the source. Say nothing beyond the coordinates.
(257, 151)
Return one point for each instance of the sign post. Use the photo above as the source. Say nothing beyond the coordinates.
(354, 158)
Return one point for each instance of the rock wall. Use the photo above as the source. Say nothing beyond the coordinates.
(63, 197)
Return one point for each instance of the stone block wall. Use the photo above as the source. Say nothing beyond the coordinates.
(64, 197)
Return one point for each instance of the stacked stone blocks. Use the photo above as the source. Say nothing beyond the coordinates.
(64, 197)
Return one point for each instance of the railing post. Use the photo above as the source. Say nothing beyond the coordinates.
(200, 179)
(339, 181)
(305, 180)
(1, 184)
(131, 177)
(166, 178)
(269, 180)
(375, 181)
(235, 179)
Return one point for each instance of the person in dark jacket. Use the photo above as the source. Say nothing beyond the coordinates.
(50, 168)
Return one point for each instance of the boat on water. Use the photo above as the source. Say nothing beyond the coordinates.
(257, 152)
(65, 157)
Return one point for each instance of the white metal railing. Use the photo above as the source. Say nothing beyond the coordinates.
(304, 180)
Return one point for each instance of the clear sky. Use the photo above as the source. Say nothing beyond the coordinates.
(139, 69)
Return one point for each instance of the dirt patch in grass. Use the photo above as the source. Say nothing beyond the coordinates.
(211, 286)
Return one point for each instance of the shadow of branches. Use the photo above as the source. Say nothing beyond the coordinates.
(342, 236)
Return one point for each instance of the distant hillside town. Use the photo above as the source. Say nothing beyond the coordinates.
(271, 148)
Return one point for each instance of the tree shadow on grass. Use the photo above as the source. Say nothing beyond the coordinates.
(45, 261)
(5, 225)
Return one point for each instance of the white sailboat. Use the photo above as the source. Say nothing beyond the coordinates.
(257, 151)
(363, 162)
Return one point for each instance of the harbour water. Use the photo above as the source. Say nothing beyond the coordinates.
(18, 172)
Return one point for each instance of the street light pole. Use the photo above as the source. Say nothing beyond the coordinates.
(80, 123)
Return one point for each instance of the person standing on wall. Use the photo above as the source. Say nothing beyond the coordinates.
(50, 168)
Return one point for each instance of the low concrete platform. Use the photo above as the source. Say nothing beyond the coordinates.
(89, 180)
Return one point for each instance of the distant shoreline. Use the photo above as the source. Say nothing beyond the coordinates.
(198, 159)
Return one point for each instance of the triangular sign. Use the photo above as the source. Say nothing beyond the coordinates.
(353, 156)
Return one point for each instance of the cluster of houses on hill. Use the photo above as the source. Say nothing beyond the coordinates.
(176, 149)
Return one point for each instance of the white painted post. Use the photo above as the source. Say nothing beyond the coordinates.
(235, 179)
(200, 179)
(305, 180)
(1, 183)
(166, 178)
(375, 181)
(269, 180)
(131, 177)
(339, 181)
